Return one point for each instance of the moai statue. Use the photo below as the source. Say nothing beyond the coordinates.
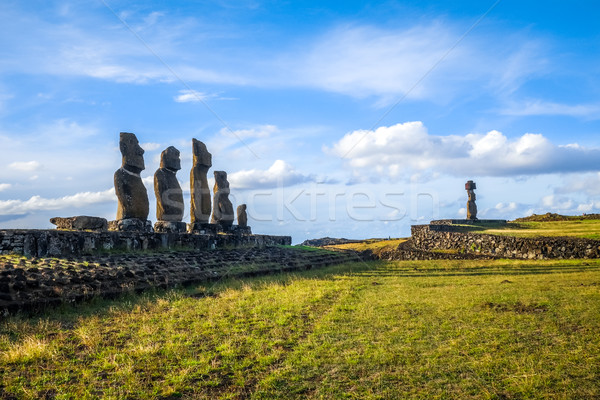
(470, 186)
(169, 196)
(200, 204)
(242, 216)
(132, 211)
(222, 207)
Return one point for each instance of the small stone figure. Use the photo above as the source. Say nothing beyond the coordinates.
(200, 204)
(169, 196)
(133, 207)
(222, 207)
(470, 186)
(242, 216)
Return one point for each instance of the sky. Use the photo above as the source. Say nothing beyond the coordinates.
(344, 119)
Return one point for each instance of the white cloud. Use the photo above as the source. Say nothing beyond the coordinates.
(400, 150)
(38, 203)
(186, 96)
(262, 131)
(4, 186)
(150, 146)
(280, 173)
(539, 107)
(26, 166)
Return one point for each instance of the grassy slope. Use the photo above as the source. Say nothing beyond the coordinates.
(589, 229)
(375, 245)
(460, 329)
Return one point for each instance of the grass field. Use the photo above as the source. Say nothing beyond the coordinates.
(376, 245)
(382, 330)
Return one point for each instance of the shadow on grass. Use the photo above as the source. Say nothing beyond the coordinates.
(68, 313)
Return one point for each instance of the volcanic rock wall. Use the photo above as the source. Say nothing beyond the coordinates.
(447, 237)
(56, 243)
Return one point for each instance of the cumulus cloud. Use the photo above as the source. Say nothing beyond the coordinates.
(38, 203)
(26, 166)
(280, 173)
(4, 186)
(403, 149)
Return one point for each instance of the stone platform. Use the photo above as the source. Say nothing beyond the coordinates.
(60, 243)
(468, 221)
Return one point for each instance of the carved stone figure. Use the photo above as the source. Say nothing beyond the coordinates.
(169, 196)
(470, 186)
(129, 188)
(200, 204)
(222, 207)
(242, 216)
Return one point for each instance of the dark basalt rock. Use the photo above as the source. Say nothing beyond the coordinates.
(129, 188)
(222, 207)
(169, 196)
(200, 192)
(242, 216)
(80, 223)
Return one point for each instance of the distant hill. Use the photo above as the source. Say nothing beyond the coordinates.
(556, 217)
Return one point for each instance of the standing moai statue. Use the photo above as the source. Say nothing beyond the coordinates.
(169, 196)
(133, 208)
(222, 207)
(470, 187)
(242, 216)
(200, 203)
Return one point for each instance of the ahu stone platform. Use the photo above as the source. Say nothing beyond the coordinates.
(59, 243)
(468, 221)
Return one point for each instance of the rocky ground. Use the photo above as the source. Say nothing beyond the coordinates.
(35, 283)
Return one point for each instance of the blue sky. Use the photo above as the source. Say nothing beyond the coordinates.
(347, 119)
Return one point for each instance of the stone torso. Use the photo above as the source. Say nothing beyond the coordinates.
(201, 202)
(169, 196)
(132, 195)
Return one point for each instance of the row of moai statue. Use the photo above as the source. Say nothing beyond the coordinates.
(133, 207)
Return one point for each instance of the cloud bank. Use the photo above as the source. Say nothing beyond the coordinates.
(278, 174)
(38, 203)
(408, 148)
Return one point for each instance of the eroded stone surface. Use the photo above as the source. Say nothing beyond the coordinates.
(169, 196)
(242, 216)
(170, 227)
(470, 186)
(222, 207)
(200, 206)
(129, 188)
(80, 223)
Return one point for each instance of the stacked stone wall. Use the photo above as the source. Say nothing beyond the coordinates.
(447, 237)
(57, 243)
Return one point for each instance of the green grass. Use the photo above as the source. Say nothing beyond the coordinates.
(376, 245)
(424, 329)
(589, 229)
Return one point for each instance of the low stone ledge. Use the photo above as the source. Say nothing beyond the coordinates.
(444, 237)
(57, 243)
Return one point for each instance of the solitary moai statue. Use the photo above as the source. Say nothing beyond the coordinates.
(200, 204)
(470, 186)
(132, 210)
(169, 196)
(222, 207)
(242, 216)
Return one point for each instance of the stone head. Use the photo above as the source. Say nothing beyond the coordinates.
(221, 180)
(201, 154)
(133, 154)
(169, 159)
